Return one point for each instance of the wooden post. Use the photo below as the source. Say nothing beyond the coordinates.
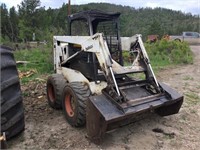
(69, 5)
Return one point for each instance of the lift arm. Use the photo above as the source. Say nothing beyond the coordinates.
(97, 45)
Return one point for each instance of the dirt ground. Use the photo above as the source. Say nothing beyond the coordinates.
(47, 129)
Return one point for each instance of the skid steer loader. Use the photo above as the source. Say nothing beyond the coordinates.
(93, 86)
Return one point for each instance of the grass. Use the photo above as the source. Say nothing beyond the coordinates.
(192, 98)
(188, 78)
(193, 111)
(39, 60)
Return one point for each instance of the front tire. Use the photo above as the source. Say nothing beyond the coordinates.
(75, 96)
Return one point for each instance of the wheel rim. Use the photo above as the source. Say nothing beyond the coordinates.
(69, 105)
(51, 93)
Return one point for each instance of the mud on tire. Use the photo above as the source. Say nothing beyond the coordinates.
(75, 96)
(55, 86)
(12, 111)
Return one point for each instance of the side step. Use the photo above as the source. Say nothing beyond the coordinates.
(102, 115)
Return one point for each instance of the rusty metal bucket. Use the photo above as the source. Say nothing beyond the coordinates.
(102, 115)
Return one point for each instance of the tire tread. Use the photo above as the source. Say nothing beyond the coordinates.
(12, 111)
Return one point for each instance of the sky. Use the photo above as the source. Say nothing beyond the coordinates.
(186, 6)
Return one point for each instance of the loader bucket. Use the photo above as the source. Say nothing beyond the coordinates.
(102, 115)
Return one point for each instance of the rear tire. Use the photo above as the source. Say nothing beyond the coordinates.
(75, 96)
(12, 111)
(55, 86)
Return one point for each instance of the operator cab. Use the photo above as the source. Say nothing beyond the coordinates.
(87, 23)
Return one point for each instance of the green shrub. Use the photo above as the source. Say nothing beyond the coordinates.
(163, 53)
(169, 52)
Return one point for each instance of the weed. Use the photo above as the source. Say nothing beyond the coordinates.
(192, 95)
(183, 117)
(188, 78)
(169, 136)
(193, 111)
(192, 98)
(25, 94)
(25, 80)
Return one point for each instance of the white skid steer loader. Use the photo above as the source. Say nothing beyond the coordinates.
(91, 84)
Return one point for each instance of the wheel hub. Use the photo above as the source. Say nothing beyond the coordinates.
(69, 105)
